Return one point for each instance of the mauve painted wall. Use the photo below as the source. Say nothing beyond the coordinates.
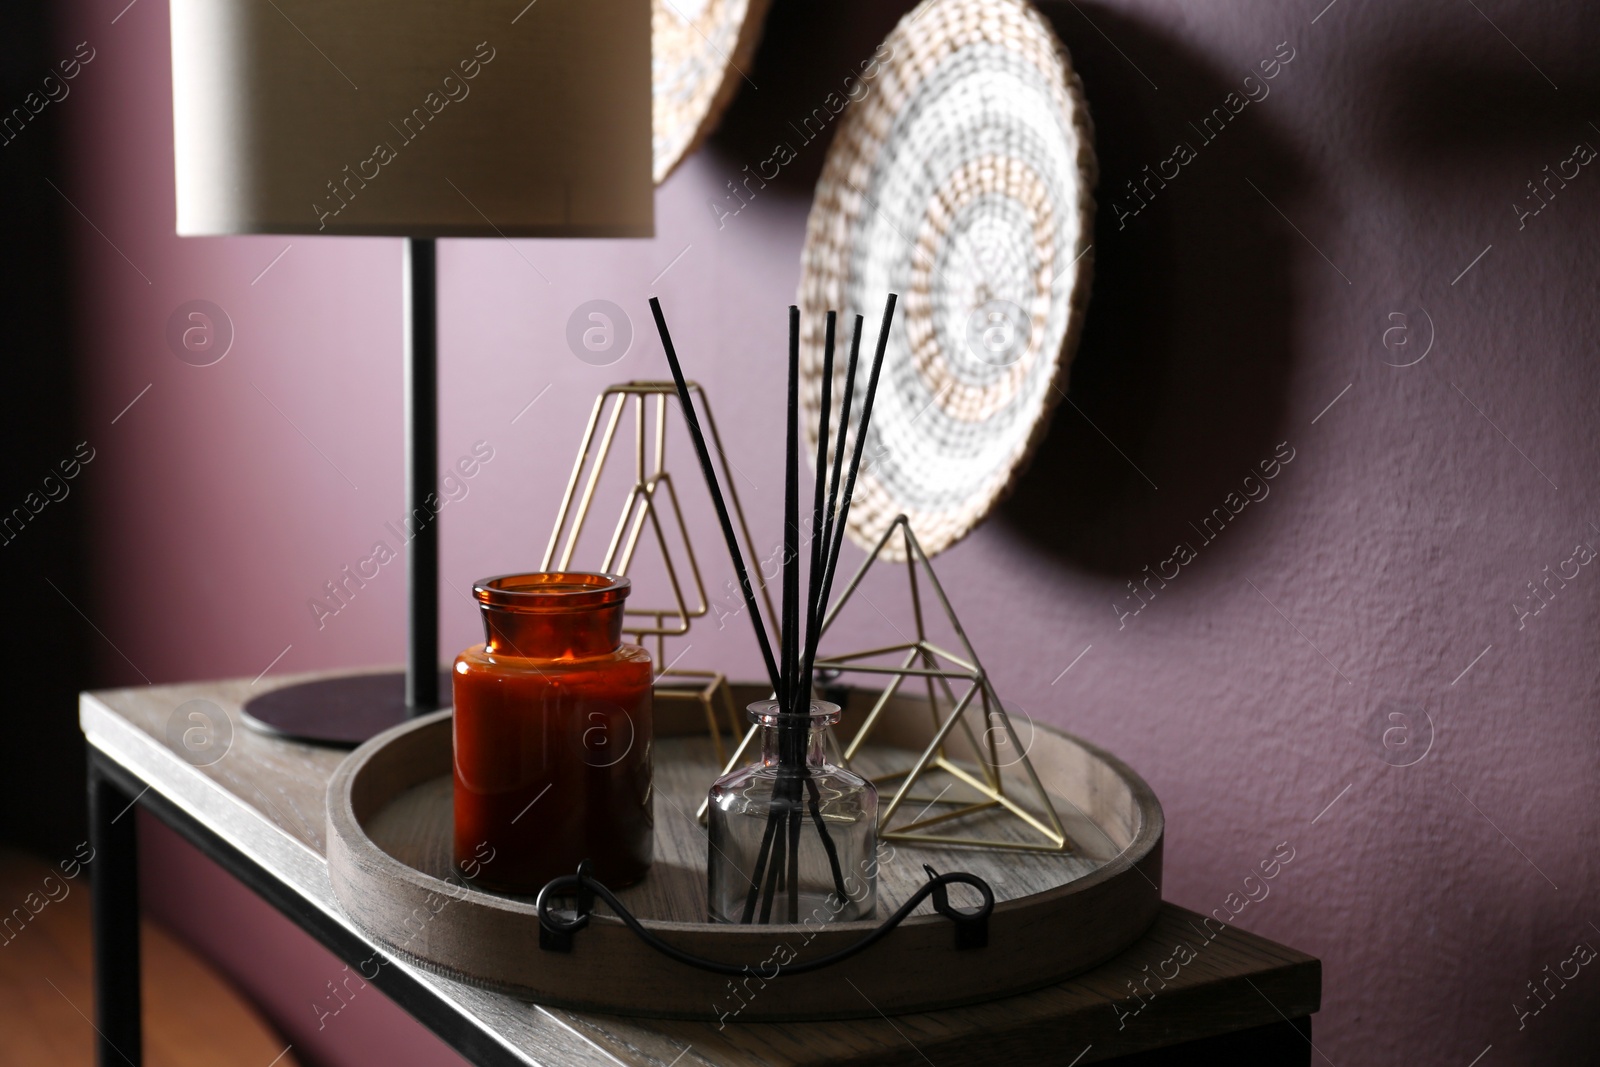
(1380, 574)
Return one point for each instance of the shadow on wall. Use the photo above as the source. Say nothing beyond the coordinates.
(1178, 389)
(1442, 112)
(1185, 355)
(808, 48)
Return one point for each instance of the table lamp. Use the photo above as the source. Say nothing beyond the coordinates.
(418, 119)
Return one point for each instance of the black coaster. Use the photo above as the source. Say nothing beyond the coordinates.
(341, 712)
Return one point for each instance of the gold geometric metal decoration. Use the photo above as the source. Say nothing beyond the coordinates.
(651, 491)
(939, 668)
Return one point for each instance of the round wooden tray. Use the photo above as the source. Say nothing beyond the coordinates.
(389, 857)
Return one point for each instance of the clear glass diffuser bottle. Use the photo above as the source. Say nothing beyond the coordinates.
(793, 837)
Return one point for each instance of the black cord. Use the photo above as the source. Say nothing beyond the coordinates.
(556, 930)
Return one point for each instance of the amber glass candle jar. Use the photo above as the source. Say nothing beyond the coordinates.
(552, 736)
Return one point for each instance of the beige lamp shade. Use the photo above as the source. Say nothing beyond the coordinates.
(415, 118)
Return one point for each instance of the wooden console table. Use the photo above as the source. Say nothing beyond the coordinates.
(259, 812)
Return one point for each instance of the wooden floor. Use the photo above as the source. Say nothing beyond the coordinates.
(192, 1018)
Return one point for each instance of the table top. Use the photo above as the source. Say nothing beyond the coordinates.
(265, 797)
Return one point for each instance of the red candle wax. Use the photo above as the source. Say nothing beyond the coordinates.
(552, 736)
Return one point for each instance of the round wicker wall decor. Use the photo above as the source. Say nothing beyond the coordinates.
(963, 181)
(700, 53)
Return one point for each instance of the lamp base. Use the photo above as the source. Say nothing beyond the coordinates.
(340, 712)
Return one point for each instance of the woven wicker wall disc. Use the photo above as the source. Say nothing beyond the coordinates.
(964, 180)
(700, 54)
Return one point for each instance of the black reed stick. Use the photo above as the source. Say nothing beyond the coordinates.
(818, 528)
(710, 475)
(771, 890)
(855, 459)
(778, 860)
(838, 464)
(794, 860)
(819, 592)
(789, 698)
(761, 863)
(827, 838)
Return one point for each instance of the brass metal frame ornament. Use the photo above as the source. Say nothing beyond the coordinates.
(938, 668)
(652, 489)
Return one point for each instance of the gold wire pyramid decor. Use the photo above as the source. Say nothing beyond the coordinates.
(942, 671)
(921, 658)
(651, 492)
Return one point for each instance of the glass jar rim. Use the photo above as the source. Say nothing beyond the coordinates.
(769, 713)
(548, 591)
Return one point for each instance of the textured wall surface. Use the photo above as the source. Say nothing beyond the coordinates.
(1357, 664)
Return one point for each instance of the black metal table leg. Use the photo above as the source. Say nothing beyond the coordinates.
(115, 896)
(476, 1043)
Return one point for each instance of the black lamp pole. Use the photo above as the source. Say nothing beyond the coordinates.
(347, 709)
(256, 102)
(422, 472)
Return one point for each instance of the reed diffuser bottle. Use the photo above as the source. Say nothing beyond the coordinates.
(808, 832)
(794, 838)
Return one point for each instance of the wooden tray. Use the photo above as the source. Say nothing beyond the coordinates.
(389, 857)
